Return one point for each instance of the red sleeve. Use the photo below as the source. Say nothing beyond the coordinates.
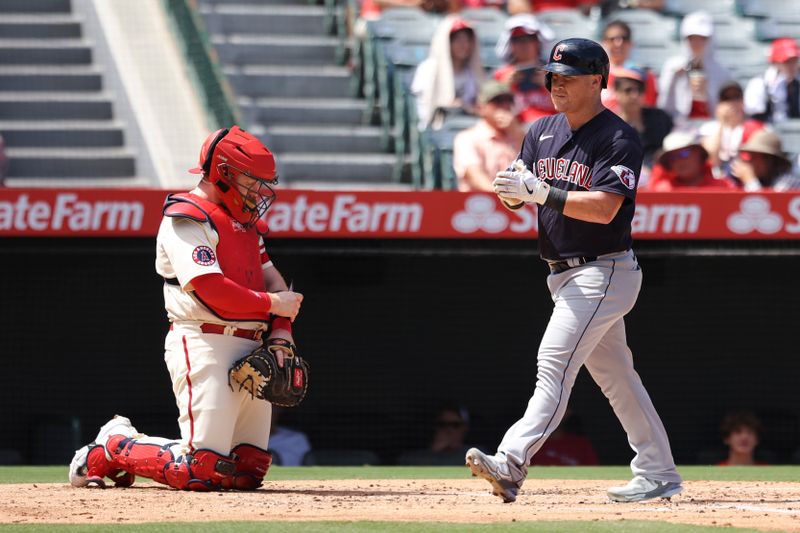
(229, 300)
(650, 90)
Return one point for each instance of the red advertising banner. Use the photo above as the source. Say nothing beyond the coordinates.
(419, 214)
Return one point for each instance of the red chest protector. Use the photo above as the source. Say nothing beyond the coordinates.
(238, 247)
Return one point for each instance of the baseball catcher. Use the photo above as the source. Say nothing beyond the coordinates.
(267, 376)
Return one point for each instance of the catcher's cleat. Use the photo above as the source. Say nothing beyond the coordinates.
(92, 463)
(640, 489)
(504, 477)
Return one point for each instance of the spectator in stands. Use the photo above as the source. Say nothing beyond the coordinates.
(775, 95)
(371, 9)
(584, 6)
(3, 162)
(740, 431)
(651, 123)
(491, 145)
(684, 164)
(566, 446)
(689, 83)
(287, 446)
(451, 426)
(450, 77)
(762, 164)
(521, 45)
(723, 136)
(617, 42)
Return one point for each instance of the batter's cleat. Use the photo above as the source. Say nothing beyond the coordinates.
(505, 478)
(93, 462)
(640, 489)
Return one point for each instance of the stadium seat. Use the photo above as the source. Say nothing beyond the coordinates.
(748, 55)
(341, 458)
(649, 28)
(767, 8)
(789, 131)
(682, 7)
(653, 57)
(771, 28)
(731, 31)
(567, 23)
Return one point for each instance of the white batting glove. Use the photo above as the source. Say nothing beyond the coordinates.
(520, 185)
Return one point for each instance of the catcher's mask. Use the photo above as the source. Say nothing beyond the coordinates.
(243, 171)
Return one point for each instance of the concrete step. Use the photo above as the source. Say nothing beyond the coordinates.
(264, 19)
(44, 106)
(45, 51)
(39, 26)
(80, 181)
(61, 133)
(349, 186)
(248, 49)
(84, 162)
(330, 139)
(50, 78)
(35, 6)
(333, 168)
(299, 82)
(269, 111)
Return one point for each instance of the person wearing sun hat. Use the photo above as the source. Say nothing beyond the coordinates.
(689, 83)
(775, 95)
(683, 164)
(762, 164)
(652, 124)
(521, 46)
(491, 145)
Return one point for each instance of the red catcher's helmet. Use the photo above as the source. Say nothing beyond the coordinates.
(242, 169)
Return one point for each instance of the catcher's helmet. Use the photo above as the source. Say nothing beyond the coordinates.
(226, 154)
(577, 57)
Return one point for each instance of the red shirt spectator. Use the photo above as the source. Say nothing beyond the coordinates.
(684, 165)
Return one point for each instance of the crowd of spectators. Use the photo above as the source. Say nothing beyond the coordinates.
(698, 126)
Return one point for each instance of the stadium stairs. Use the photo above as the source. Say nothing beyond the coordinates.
(281, 61)
(55, 116)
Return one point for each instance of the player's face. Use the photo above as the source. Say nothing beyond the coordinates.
(573, 93)
(256, 192)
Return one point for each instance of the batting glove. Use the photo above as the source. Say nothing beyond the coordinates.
(520, 185)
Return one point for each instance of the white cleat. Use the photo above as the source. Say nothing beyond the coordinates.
(79, 475)
(496, 470)
(640, 489)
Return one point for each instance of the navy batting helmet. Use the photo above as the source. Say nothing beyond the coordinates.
(577, 57)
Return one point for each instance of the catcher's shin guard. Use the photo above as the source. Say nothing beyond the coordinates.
(203, 470)
(252, 464)
(98, 467)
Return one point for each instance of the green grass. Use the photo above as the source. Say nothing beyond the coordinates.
(58, 474)
(626, 526)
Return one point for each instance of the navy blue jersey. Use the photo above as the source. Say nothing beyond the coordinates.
(604, 154)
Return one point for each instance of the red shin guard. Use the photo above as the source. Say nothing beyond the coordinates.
(252, 464)
(99, 467)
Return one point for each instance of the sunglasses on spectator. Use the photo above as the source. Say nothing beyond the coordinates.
(680, 154)
(614, 38)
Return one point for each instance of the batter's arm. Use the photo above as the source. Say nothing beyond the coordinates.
(599, 207)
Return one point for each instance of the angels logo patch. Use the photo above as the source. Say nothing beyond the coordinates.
(203, 255)
(625, 175)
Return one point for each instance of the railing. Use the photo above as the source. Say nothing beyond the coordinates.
(202, 59)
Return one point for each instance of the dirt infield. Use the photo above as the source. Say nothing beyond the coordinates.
(761, 505)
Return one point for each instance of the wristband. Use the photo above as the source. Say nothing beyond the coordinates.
(281, 322)
(513, 207)
(556, 199)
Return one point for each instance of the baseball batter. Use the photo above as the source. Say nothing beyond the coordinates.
(222, 296)
(582, 167)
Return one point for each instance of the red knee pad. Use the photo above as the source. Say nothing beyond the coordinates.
(252, 464)
(203, 470)
(146, 460)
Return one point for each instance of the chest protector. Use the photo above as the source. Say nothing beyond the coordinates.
(238, 247)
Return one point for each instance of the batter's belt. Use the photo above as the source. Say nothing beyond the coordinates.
(219, 329)
(557, 267)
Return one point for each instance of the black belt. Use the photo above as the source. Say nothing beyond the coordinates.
(557, 267)
(172, 281)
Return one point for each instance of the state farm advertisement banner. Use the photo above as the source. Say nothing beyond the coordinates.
(419, 214)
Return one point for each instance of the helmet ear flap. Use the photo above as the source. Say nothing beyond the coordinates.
(210, 155)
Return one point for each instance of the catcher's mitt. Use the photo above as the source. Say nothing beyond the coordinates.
(259, 374)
